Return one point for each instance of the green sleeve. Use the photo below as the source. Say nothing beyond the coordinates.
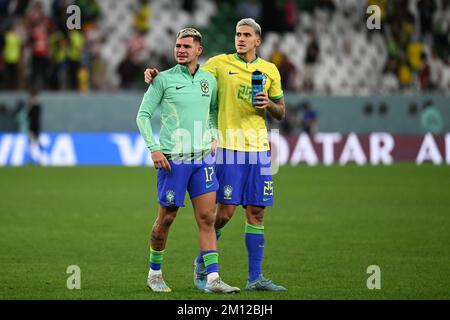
(214, 112)
(151, 100)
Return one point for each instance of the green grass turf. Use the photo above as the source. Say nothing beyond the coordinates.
(328, 225)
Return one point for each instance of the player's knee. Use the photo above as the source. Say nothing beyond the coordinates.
(222, 219)
(226, 212)
(207, 219)
(255, 215)
(168, 218)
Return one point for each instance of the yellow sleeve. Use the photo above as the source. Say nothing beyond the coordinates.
(275, 90)
(211, 66)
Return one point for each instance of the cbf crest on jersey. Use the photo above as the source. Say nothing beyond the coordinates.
(204, 85)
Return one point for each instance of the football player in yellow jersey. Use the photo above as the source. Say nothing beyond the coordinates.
(243, 164)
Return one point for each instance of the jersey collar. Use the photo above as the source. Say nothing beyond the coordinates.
(185, 69)
(239, 59)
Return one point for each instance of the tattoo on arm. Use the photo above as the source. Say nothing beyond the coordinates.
(276, 109)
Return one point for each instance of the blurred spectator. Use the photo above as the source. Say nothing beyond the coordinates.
(424, 74)
(40, 63)
(389, 80)
(442, 30)
(28, 117)
(34, 126)
(35, 15)
(393, 48)
(292, 122)
(289, 80)
(405, 76)
(310, 119)
(141, 19)
(94, 40)
(431, 73)
(58, 46)
(74, 55)
(84, 78)
(162, 61)
(290, 15)
(401, 21)
(426, 9)
(277, 56)
(98, 72)
(436, 66)
(90, 10)
(137, 48)
(2, 62)
(285, 67)
(59, 12)
(130, 72)
(93, 61)
(12, 51)
(311, 58)
(415, 54)
(21, 117)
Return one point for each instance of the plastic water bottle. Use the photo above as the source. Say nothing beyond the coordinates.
(257, 84)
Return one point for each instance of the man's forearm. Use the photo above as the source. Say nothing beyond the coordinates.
(145, 128)
(276, 109)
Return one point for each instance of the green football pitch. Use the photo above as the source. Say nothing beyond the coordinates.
(328, 225)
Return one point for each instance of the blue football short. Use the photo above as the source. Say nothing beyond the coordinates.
(196, 177)
(245, 178)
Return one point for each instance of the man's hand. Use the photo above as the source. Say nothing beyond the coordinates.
(262, 100)
(275, 108)
(150, 74)
(160, 161)
(213, 146)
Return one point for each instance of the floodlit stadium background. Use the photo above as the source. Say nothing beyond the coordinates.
(379, 141)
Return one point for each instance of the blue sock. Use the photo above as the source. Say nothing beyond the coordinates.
(200, 256)
(254, 241)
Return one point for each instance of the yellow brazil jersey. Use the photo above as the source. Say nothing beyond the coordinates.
(241, 126)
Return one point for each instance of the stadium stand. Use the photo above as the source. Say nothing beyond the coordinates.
(320, 46)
